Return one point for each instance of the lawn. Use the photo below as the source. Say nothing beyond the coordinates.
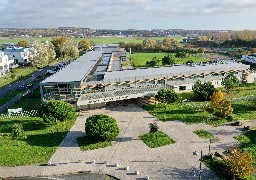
(40, 140)
(38, 146)
(29, 102)
(140, 59)
(87, 143)
(184, 113)
(203, 134)
(156, 139)
(192, 111)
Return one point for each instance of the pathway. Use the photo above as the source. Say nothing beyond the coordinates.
(174, 161)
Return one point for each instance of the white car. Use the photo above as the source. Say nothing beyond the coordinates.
(50, 72)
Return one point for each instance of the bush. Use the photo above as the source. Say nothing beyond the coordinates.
(17, 130)
(101, 127)
(239, 164)
(153, 127)
(54, 110)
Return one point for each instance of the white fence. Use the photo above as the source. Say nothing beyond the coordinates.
(32, 113)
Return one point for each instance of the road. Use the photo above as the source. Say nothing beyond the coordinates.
(15, 85)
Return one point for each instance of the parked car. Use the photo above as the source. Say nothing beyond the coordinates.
(50, 72)
(25, 86)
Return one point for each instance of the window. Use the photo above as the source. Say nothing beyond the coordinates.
(182, 88)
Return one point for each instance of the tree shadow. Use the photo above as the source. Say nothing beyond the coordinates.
(28, 125)
(189, 174)
(46, 140)
(242, 108)
(126, 139)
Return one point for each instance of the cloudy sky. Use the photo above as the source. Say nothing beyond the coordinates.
(129, 14)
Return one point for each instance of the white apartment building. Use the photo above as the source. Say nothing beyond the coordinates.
(19, 54)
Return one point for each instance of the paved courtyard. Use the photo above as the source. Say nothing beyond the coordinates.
(174, 161)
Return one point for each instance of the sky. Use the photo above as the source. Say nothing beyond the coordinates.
(129, 14)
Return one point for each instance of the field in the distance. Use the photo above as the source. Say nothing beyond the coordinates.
(96, 40)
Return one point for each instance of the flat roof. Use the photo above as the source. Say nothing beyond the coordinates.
(77, 70)
(175, 70)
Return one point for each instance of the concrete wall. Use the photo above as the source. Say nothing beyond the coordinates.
(251, 78)
(92, 106)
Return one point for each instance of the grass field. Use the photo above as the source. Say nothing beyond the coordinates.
(193, 111)
(11, 77)
(96, 40)
(38, 145)
(39, 142)
(140, 59)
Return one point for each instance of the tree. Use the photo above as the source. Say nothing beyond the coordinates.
(167, 60)
(23, 43)
(71, 50)
(84, 45)
(230, 82)
(216, 99)
(152, 63)
(182, 55)
(101, 127)
(42, 54)
(169, 42)
(59, 45)
(220, 106)
(239, 164)
(203, 91)
(167, 96)
(56, 110)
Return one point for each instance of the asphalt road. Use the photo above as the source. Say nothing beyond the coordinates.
(15, 85)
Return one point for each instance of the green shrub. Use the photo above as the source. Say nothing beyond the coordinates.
(239, 164)
(156, 139)
(17, 130)
(153, 127)
(101, 127)
(54, 110)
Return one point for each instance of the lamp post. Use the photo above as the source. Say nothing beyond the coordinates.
(200, 165)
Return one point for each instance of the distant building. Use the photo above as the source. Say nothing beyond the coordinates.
(4, 64)
(19, 54)
(189, 40)
(249, 58)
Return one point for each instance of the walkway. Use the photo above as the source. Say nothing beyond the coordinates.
(174, 161)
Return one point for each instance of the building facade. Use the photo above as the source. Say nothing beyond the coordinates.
(99, 83)
(19, 54)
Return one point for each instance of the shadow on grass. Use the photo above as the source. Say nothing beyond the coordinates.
(46, 140)
(28, 125)
(87, 143)
(242, 108)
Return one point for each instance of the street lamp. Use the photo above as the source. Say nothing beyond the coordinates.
(195, 153)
